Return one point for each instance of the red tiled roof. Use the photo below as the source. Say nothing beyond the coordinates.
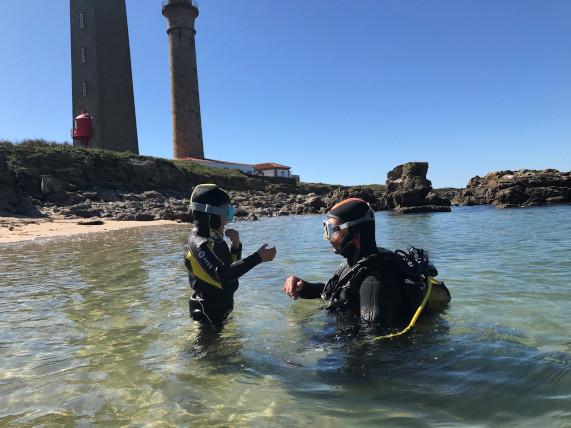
(269, 165)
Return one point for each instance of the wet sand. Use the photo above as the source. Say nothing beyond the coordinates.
(15, 229)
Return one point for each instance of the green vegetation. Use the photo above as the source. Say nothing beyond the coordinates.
(94, 168)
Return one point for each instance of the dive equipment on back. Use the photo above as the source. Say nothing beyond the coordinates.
(420, 290)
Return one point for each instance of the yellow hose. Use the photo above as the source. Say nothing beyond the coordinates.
(429, 281)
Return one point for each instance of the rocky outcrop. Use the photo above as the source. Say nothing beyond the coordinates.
(408, 190)
(374, 195)
(70, 182)
(522, 188)
(450, 193)
(13, 199)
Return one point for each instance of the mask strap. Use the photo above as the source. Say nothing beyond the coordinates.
(369, 215)
(209, 209)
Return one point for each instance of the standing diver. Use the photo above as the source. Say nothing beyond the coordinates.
(213, 268)
(369, 284)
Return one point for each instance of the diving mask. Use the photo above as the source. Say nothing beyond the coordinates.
(329, 229)
(226, 211)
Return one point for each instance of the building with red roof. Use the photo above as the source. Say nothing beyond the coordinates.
(272, 169)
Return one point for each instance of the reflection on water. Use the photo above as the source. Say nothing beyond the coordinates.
(95, 331)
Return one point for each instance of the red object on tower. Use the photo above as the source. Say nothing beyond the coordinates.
(82, 129)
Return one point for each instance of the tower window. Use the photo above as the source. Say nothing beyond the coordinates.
(84, 88)
(82, 20)
(83, 55)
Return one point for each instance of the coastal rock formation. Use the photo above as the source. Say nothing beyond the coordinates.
(408, 190)
(522, 188)
(450, 193)
(374, 195)
(70, 182)
(13, 199)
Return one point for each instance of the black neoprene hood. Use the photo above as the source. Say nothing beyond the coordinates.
(349, 210)
(210, 194)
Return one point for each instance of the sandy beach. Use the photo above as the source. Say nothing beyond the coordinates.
(15, 229)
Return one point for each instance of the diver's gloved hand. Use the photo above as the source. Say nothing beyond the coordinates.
(293, 286)
(234, 237)
(266, 254)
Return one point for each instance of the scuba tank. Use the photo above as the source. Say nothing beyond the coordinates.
(416, 275)
(417, 272)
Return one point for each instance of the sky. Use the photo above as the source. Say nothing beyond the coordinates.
(341, 91)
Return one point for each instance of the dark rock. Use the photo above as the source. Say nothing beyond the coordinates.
(108, 195)
(407, 185)
(240, 212)
(84, 209)
(409, 191)
(132, 197)
(557, 200)
(94, 196)
(90, 223)
(50, 184)
(450, 193)
(374, 198)
(13, 199)
(315, 202)
(423, 209)
(151, 194)
(144, 217)
(435, 199)
(506, 189)
(64, 198)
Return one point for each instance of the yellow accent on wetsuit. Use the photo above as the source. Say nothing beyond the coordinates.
(199, 272)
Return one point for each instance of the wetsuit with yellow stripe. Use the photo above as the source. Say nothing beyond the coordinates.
(213, 272)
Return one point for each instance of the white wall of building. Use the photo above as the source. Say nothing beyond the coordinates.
(275, 172)
(248, 169)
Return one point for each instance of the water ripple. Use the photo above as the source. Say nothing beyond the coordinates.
(94, 331)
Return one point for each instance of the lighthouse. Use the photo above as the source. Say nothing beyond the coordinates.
(185, 103)
(102, 82)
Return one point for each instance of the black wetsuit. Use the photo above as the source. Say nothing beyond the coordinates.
(213, 272)
(367, 288)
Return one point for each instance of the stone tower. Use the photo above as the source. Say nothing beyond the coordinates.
(186, 121)
(102, 82)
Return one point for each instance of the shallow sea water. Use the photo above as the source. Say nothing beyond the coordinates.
(94, 331)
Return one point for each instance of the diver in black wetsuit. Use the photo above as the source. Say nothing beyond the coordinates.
(360, 286)
(213, 268)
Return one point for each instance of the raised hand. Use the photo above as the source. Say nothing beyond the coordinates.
(266, 254)
(234, 237)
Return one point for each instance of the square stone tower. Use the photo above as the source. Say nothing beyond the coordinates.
(102, 82)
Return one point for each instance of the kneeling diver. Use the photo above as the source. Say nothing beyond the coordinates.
(213, 268)
(372, 282)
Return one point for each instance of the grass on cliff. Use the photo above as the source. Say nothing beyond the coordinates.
(26, 154)
(40, 149)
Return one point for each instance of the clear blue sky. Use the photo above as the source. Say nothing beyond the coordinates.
(340, 90)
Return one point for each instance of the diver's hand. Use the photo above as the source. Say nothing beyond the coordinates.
(267, 254)
(293, 286)
(234, 237)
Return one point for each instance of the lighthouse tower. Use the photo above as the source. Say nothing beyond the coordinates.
(185, 103)
(102, 83)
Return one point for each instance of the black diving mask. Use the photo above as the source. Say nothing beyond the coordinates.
(329, 229)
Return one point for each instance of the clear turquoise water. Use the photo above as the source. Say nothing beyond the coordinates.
(94, 331)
